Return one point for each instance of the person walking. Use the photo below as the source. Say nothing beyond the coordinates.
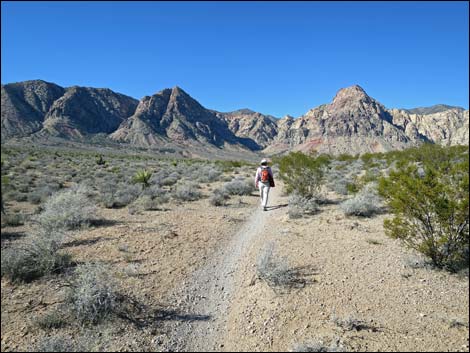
(264, 180)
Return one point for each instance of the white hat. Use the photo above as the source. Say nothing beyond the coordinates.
(264, 160)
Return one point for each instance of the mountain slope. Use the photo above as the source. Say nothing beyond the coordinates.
(24, 105)
(83, 110)
(246, 123)
(173, 115)
(352, 123)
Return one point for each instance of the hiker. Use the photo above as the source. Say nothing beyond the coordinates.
(264, 180)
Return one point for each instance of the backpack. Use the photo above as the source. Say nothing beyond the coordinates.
(264, 175)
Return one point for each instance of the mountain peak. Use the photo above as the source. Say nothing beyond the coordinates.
(350, 97)
(354, 91)
(178, 90)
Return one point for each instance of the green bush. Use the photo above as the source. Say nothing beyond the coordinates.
(302, 173)
(428, 194)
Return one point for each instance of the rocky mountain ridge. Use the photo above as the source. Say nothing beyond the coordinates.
(353, 122)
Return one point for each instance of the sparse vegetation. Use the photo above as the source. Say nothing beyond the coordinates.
(93, 295)
(51, 320)
(219, 197)
(67, 210)
(276, 272)
(36, 257)
(187, 192)
(239, 187)
(431, 209)
(299, 206)
(365, 203)
(318, 346)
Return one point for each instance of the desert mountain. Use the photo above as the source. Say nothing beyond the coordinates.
(444, 127)
(83, 110)
(48, 109)
(24, 106)
(352, 123)
(174, 115)
(438, 108)
(246, 123)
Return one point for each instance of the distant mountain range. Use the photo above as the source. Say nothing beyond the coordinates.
(352, 123)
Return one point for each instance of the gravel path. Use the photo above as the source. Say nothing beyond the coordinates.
(208, 292)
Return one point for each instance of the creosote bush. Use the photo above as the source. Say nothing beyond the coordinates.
(303, 173)
(428, 195)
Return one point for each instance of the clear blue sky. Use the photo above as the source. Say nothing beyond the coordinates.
(274, 57)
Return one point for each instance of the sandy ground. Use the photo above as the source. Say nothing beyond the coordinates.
(201, 261)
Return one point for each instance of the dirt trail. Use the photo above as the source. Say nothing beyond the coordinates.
(208, 292)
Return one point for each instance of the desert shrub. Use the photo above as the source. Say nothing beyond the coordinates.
(340, 186)
(239, 187)
(302, 173)
(365, 203)
(4, 184)
(51, 320)
(187, 192)
(42, 192)
(125, 195)
(67, 210)
(36, 257)
(152, 198)
(276, 272)
(300, 205)
(56, 344)
(14, 220)
(208, 174)
(35, 198)
(170, 180)
(219, 197)
(119, 195)
(20, 197)
(349, 323)
(93, 293)
(318, 346)
(431, 209)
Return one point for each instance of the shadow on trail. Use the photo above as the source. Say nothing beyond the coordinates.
(79, 242)
(272, 208)
(142, 315)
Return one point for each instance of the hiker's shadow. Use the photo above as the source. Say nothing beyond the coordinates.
(142, 315)
(272, 208)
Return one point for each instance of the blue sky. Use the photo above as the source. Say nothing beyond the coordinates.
(274, 57)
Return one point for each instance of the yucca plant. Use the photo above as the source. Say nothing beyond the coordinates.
(143, 177)
(100, 160)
